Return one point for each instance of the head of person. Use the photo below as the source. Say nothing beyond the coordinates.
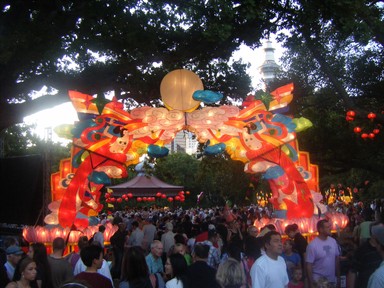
(14, 254)
(230, 274)
(377, 235)
(134, 265)
(176, 266)
(272, 244)
(92, 256)
(168, 226)
(135, 224)
(252, 231)
(82, 242)
(26, 269)
(38, 252)
(288, 246)
(180, 249)
(157, 249)
(58, 244)
(101, 228)
(212, 236)
(297, 274)
(200, 252)
(324, 228)
(290, 231)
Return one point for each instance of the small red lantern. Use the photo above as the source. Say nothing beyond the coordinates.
(371, 115)
(163, 196)
(107, 195)
(372, 135)
(357, 129)
(139, 199)
(119, 200)
(376, 131)
(158, 194)
(130, 195)
(364, 135)
(112, 199)
(170, 199)
(177, 198)
(351, 113)
(349, 119)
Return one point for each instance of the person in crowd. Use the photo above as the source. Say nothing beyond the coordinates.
(270, 270)
(137, 235)
(92, 257)
(61, 270)
(102, 270)
(230, 274)
(182, 249)
(149, 231)
(214, 253)
(135, 273)
(168, 238)
(117, 243)
(365, 261)
(299, 242)
(292, 259)
(14, 254)
(322, 256)
(201, 275)
(25, 274)
(74, 257)
(76, 284)
(99, 235)
(153, 259)
(176, 271)
(296, 281)
(234, 234)
(377, 278)
(38, 252)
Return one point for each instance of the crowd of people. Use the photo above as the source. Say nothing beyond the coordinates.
(198, 248)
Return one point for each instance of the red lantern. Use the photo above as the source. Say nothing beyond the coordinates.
(139, 199)
(112, 199)
(158, 194)
(119, 200)
(145, 199)
(351, 113)
(170, 199)
(177, 198)
(357, 130)
(376, 131)
(372, 135)
(163, 196)
(130, 195)
(364, 135)
(371, 115)
(182, 200)
(349, 119)
(107, 195)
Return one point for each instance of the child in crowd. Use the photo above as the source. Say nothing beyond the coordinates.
(292, 259)
(296, 282)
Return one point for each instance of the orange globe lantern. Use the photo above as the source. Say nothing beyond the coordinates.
(364, 136)
(376, 131)
(351, 113)
(371, 115)
(357, 129)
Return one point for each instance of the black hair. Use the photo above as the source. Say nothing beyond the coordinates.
(320, 224)
(201, 251)
(268, 236)
(90, 253)
(179, 268)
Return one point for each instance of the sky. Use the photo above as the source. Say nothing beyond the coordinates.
(65, 113)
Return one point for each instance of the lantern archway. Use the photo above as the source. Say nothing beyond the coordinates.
(107, 138)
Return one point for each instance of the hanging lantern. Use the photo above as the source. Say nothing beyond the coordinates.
(163, 196)
(364, 136)
(139, 199)
(372, 135)
(351, 113)
(170, 199)
(349, 119)
(130, 195)
(158, 194)
(376, 131)
(371, 115)
(357, 129)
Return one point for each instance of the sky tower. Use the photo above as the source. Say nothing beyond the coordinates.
(269, 68)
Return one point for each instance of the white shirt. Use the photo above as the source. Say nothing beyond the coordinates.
(174, 283)
(99, 237)
(269, 273)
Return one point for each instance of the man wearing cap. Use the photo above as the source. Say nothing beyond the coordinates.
(14, 254)
(377, 278)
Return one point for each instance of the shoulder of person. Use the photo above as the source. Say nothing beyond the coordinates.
(11, 285)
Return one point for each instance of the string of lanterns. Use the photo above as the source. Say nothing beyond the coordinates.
(159, 196)
(350, 116)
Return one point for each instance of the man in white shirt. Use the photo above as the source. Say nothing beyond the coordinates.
(270, 270)
(99, 236)
(168, 238)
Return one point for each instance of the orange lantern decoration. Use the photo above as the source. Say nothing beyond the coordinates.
(357, 129)
(376, 131)
(364, 135)
(372, 135)
(371, 115)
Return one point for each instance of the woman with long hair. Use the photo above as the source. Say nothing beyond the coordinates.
(176, 269)
(25, 274)
(38, 252)
(134, 270)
